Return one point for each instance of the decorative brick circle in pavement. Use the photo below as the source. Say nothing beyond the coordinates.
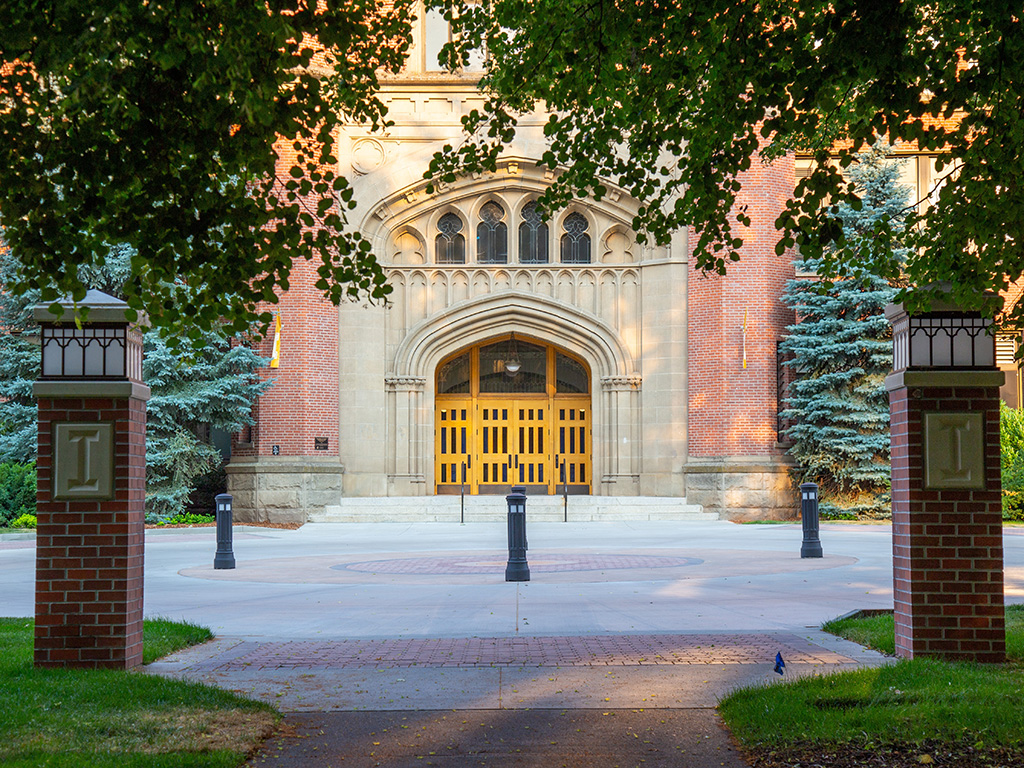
(563, 651)
(469, 564)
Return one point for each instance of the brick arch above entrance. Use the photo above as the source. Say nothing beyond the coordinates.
(483, 318)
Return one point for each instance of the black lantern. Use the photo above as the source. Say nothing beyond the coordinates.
(106, 347)
(943, 338)
(512, 364)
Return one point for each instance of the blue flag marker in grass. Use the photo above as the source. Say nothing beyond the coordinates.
(780, 665)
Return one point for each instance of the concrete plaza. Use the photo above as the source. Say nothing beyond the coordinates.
(623, 616)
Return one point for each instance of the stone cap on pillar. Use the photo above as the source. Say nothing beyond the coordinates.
(102, 308)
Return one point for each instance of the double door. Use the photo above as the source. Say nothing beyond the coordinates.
(487, 445)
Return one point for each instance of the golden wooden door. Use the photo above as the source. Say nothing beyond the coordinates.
(491, 444)
(496, 427)
(494, 446)
(514, 445)
(572, 438)
(532, 458)
(453, 445)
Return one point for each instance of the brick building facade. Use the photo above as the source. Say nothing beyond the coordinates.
(640, 376)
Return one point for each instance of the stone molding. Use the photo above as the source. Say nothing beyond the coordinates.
(486, 316)
(405, 383)
(241, 468)
(958, 378)
(113, 389)
(621, 383)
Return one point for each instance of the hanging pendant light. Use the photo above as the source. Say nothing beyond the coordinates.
(512, 364)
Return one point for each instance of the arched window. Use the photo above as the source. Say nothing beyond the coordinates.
(492, 235)
(533, 237)
(450, 244)
(575, 241)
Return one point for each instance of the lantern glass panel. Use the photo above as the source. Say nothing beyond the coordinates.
(52, 357)
(74, 357)
(921, 349)
(963, 349)
(94, 354)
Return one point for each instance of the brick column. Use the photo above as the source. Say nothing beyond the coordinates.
(92, 484)
(946, 506)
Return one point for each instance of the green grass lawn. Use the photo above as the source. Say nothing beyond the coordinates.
(913, 711)
(879, 632)
(64, 718)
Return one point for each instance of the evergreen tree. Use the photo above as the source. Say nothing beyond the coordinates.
(199, 387)
(19, 367)
(196, 388)
(841, 351)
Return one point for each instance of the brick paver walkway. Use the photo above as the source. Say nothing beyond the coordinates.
(585, 651)
(487, 563)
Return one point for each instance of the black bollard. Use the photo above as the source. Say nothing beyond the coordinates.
(225, 558)
(517, 569)
(811, 546)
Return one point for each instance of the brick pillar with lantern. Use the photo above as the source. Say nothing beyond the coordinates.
(946, 487)
(92, 484)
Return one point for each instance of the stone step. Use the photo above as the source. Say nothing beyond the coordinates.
(409, 509)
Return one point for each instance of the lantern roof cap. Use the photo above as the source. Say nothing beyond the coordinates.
(939, 302)
(102, 308)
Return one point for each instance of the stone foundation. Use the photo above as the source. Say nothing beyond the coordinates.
(282, 492)
(296, 491)
(742, 491)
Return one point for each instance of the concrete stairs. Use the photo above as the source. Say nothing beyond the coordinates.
(436, 509)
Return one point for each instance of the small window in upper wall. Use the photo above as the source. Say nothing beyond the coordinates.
(533, 237)
(575, 241)
(436, 35)
(450, 244)
(492, 235)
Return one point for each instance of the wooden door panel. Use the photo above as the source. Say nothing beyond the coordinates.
(453, 446)
(491, 445)
(573, 445)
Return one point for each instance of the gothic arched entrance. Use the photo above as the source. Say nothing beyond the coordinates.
(512, 411)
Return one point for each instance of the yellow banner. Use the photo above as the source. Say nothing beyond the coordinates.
(275, 359)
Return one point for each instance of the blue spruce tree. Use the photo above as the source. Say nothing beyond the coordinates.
(204, 385)
(840, 351)
(19, 368)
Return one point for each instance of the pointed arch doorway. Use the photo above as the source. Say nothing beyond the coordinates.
(512, 411)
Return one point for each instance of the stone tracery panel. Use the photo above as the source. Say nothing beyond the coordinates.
(610, 293)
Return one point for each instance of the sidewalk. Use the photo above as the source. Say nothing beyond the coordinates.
(615, 653)
(403, 645)
(517, 701)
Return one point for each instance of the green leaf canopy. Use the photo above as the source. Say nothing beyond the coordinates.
(673, 101)
(200, 134)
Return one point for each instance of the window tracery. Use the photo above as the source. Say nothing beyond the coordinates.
(471, 230)
(450, 243)
(492, 235)
(533, 236)
(575, 240)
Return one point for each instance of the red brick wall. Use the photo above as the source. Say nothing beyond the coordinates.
(732, 410)
(947, 544)
(303, 403)
(89, 554)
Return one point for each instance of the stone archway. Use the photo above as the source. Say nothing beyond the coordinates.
(512, 411)
(616, 447)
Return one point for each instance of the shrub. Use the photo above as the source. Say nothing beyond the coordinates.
(25, 521)
(1011, 449)
(187, 518)
(17, 492)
